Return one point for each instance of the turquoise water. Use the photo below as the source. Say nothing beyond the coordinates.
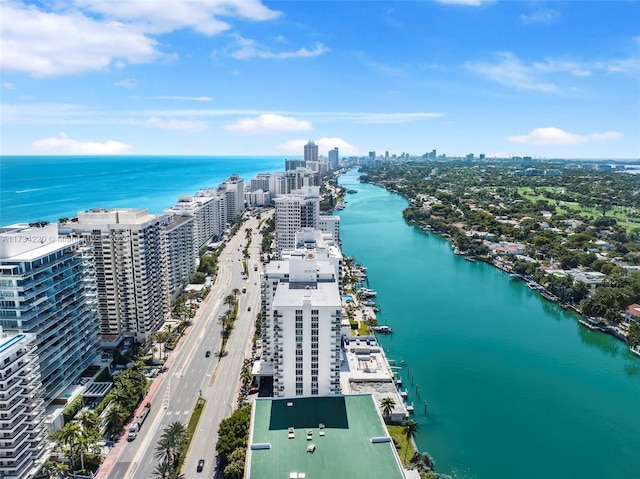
(36, 188)
(516, 388)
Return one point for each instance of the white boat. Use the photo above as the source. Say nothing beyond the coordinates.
(635, 350)
(382, 329)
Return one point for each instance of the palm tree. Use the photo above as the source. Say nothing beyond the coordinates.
(235, 292)
(410, 429)
(170, 444)
(54, 470)
(164, 470)
(230, 300)
(387, 404)
(116, 417)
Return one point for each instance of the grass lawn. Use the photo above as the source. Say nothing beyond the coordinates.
(401, 444)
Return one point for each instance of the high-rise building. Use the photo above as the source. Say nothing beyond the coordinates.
(293, 164)
(130, 251)
(182, 256)
(206, 214)
(293, 212)
(234, 194)
(301, 325)
(298, 210)
(310, 151)
(48, 288)
(334, 158)
(23, 437)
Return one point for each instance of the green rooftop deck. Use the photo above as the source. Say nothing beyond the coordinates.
(344, 451)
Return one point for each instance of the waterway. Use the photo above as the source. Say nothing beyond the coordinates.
(516, 388)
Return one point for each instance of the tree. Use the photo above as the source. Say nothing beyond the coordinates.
(116, 417)
(235, 468)
(410, 429)
(387, 404)
(634, 333)
(169, 447)
(230, 301)
(54, 470)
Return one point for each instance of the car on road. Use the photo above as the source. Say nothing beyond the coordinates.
(249, 308)
(207, 354)
(200, 466)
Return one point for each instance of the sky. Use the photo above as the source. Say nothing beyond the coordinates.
(251, 77)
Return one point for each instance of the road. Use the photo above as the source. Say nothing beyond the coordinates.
(191, 373)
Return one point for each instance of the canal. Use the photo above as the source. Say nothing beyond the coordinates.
(515, 387)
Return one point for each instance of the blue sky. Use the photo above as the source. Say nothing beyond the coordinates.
(250, 77)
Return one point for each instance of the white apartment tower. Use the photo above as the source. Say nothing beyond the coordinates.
(298, 210)
(301, 325)
(182, 255)
(293, 212)
(47, 288)
(234, 194)
(23, 431)
(204, 209)
(130, 251)
(218, 206)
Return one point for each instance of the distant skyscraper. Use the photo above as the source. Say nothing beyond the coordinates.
(334, 157)
(22, 424)
(372, 155)
(290, 165)
(310, 151)
(234, 189)
(48, 288)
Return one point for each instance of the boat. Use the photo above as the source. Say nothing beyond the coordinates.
(470, 259)
(515, 276)
(367, 293)
(351, 192)
(635, 350)
(382, 329)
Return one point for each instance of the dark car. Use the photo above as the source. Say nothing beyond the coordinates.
(200, 465)
(249, 308)
(207, 354)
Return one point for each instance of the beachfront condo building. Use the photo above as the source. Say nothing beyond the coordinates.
(132, 272)
(217, 209)
(205, 209)
(23, 432)
(298, 210)
(233, 188)
(48, 288)
(182, 255)
(301, 318)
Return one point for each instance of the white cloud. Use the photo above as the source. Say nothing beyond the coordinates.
(48, 44)
(268, 123)
(63, 144)
(248, 49)
(8, 85)
(185, 98)
(200, 16)
(556, 136)
(544, 15)
(471, 3)
(324, 145)
(94, 35)
(128, 83)
(510, 71)
(194, 126)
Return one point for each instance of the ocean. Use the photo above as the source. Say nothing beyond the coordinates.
(41, 188)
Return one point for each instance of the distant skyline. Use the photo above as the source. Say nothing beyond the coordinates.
(250, 77)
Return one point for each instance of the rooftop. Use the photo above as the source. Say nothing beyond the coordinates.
(306, 437)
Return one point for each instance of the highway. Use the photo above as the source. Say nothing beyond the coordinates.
(191, 373)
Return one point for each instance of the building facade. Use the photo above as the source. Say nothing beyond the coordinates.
(310, 152)
(23, 431)
(301, 333)
(132, 271)
(48, 288)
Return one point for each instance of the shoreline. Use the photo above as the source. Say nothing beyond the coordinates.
(602, 326)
